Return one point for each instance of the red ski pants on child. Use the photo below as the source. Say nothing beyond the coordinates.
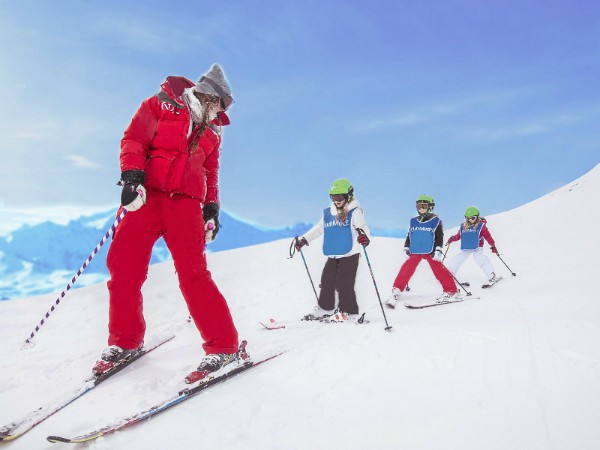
(440, 271)
(178, 219)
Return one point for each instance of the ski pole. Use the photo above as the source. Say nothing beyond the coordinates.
(511, 272)
(446, 252)
(387, 326)
(458, 282)
(292, 251)
(79, 272)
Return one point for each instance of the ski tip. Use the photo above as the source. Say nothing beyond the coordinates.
(8, 437)
(272, 324)
(55, 439)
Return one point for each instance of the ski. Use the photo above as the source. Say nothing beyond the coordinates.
(181, 396)
(19, 427)
(430, 305)
(489, 285)
(274, 324)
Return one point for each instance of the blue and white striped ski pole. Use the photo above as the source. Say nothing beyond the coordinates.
(79, 272)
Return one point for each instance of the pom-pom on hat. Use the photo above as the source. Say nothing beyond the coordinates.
(214, 83)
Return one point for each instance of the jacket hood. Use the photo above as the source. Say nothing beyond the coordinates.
(174, 85)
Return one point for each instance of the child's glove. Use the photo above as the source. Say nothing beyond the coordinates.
(363, 240)
(300, 243)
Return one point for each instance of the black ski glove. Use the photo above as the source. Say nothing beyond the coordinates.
(210, 212)
(300, 243)
(133, 195)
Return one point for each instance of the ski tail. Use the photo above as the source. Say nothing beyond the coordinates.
(19, 427)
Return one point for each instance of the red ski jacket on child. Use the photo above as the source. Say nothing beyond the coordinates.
(484, 234)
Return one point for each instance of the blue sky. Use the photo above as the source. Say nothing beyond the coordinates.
(491, 103)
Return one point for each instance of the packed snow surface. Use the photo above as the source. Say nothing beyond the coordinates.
(518, 368)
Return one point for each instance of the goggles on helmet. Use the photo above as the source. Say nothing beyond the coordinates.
(339, 197)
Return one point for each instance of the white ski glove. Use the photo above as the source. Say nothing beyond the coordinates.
(133, 196)
(438, 255)
(210, 213)
(210, 231)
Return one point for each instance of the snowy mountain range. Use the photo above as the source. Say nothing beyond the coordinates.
(516, 367)
(42, 258)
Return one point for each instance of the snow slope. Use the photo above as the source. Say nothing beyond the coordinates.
(517, 369)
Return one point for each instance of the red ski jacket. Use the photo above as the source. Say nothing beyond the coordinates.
(157, 142)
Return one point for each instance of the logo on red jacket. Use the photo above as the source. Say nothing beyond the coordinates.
(167, 106)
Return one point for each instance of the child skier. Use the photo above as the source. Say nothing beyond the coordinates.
(339, 226)
(471, 235)
(424, 241)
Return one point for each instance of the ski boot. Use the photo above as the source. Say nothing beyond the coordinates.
(394, 298)
(218, 364)
(113, 356)
(448, 298)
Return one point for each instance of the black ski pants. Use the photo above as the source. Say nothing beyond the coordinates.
(339, 274)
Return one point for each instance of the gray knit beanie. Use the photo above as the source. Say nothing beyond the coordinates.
(215, 83)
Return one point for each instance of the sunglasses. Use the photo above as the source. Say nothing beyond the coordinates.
(338, 197)
(226, 100)
(207, 99)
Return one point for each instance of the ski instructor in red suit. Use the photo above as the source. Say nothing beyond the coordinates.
(169, 172)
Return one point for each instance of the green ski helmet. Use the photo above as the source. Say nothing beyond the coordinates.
(426, 199)
(472, 211)
(342, 186)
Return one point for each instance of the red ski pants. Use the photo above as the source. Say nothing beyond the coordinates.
(440, 271)
(179, 221)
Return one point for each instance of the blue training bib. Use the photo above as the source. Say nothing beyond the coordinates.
(469, 238)
(337, 236)
(422, 235)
